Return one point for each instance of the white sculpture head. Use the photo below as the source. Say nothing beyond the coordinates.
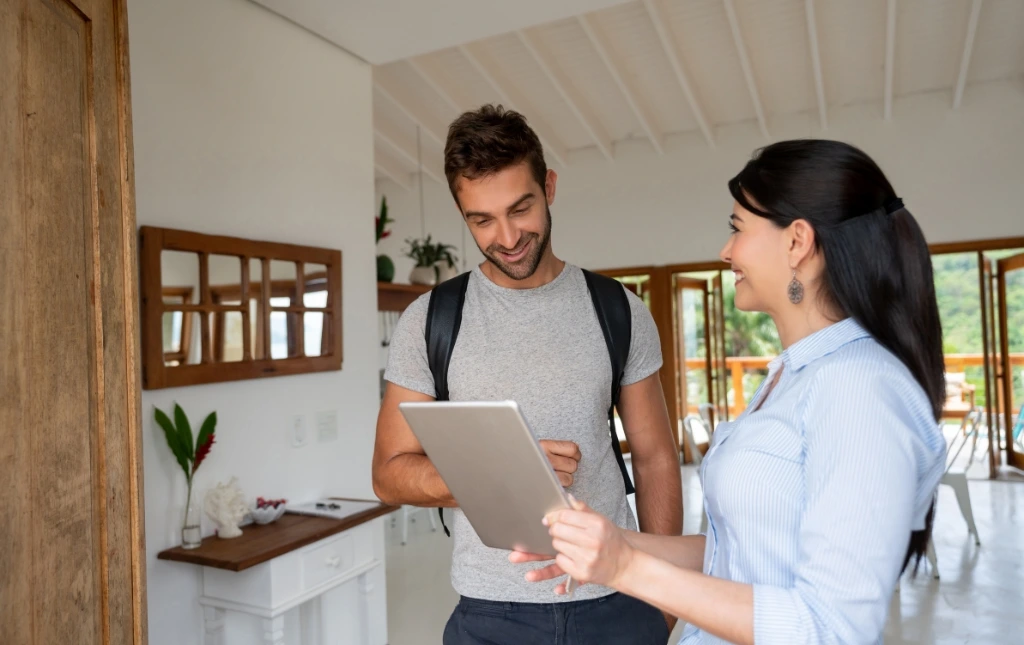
(225, 505)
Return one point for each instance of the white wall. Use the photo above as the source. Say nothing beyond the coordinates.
(959, 172)
(246, 125)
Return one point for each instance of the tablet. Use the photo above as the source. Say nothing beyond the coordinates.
(494, 467)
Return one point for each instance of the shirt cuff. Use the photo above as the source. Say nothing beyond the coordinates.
(411, 384)
(640, 374)
(776, 616)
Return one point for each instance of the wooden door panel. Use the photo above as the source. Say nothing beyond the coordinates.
(1006, 267)
(71, 566)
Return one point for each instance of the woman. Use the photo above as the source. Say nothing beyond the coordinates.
(821, 493)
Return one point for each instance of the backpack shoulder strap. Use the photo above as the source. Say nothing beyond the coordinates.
(444, 318)
(613, 313)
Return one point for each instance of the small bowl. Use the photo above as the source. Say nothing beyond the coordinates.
(267, 515)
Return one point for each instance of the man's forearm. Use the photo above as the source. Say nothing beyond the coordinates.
(659, 495)
(411, 479)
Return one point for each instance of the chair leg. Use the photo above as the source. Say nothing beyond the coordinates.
(695, 453)
(974, 449)
(963, 498)
(932, 559)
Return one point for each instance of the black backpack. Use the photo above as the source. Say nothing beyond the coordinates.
(444, 318)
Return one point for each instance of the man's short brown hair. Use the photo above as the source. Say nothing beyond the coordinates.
(488, 140)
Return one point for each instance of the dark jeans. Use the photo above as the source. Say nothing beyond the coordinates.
(615, 619)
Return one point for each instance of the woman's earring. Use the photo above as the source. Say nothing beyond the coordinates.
(796, 290)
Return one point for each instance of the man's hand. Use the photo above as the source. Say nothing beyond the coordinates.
(564, 457)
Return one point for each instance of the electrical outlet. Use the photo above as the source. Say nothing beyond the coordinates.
(297, 431)
(327, 426)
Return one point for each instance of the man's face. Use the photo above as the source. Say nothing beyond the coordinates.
(507, 214)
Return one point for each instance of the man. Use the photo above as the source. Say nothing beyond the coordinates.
(529, 333)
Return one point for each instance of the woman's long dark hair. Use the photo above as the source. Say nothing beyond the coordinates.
(878, 269)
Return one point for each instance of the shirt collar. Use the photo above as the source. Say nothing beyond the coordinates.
(822, 343)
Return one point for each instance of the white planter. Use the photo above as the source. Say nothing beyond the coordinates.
(423, 275)
(446, 272)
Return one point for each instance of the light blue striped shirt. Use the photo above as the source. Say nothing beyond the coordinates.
(811, 498)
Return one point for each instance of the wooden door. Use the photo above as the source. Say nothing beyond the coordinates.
(1010, 280)
(693, 343)
(719, 366)
(71, 539)
(990, 359)
(693, 346)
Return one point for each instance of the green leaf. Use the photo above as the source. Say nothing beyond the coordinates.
(173, 441)
(208, 428)
(184, 432)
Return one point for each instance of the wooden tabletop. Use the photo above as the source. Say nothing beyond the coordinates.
(259, 543)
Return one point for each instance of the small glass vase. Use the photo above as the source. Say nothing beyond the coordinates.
(191, 530)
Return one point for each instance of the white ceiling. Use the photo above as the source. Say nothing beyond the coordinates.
(602, 72)
(382, 31)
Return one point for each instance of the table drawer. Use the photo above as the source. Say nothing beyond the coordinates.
(336, 558)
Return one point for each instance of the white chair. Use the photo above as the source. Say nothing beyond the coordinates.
(970, 430)
(407, 516)
(707, 411)
(691, 423)
(957, 479)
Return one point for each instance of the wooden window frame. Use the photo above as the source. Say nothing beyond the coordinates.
(314, 283)
(185, 339)
(156, 374)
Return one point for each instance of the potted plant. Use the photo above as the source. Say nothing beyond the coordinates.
(385, 267)
(189, 454)
(435, 262)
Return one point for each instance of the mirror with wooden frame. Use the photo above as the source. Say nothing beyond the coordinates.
(220, 308)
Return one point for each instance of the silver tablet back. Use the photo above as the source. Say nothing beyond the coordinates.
(494, 467)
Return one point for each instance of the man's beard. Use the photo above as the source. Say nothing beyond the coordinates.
(527, 266)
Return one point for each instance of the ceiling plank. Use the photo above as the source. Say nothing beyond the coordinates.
(748, 71)
(890, 56)
(604, 52)
(388, 133)
(512, 99)
(392, 170)
(819, 80)
(965, 59)
(448, 94)
(569, 94)
(401, 99)
(672, 53)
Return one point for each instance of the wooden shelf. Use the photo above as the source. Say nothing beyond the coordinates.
(396, 297)
(259, 543)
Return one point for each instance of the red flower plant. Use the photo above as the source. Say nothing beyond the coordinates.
(381, 221)
(188, 453)
(202, 451)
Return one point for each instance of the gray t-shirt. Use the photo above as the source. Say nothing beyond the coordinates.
(544, 349)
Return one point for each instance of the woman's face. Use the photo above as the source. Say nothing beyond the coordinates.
(758, 251)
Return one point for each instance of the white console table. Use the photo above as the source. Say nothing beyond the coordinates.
(331, 570)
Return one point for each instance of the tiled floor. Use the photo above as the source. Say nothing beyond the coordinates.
(979, 599)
